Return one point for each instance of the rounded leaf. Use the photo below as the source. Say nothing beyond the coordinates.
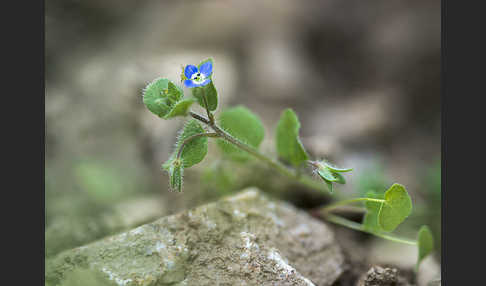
(396, 209)
(244, 125)
(425, 243)
(155, 97)
(161, 97)
(194, 150)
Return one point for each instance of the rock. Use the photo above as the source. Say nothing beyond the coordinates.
(246, 239)
(69, 231)
(379, 276)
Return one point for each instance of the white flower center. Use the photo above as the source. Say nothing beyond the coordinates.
(198, 77)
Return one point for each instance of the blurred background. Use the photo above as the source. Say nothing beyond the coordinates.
(363, 77)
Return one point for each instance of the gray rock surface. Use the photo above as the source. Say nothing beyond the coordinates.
(246, 239)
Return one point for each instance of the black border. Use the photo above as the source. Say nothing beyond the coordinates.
(463, 59)
(23, 126)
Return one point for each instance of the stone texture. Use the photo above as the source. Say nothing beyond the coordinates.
(246, 239)
(379, 276)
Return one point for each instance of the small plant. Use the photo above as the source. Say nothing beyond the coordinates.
(239, 132)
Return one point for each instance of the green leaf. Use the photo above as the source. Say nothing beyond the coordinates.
(165, 99)
(195, 150)
(211, 95)
(289, 146)
(370, 220)
(244, 125)
(327, 175)
(180, 108)
(396, 209)
(155, 97)
(425, 243)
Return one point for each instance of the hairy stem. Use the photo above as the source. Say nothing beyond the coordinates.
(359, 227)
(199, 117)
(303, 179)
(188, 139)
(330, 207)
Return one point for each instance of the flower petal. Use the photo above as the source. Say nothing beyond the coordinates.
(206, 68)
(204, 82)
(189, 83)
(190, 70)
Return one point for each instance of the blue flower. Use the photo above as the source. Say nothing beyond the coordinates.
(198, 77)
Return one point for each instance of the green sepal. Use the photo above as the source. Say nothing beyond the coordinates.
(245, 126)
(165, 99)
(338, 170)
(397, 207)
(340, 178)
(327, 175)
(425, 244)
(175, 168)
(288, 143)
